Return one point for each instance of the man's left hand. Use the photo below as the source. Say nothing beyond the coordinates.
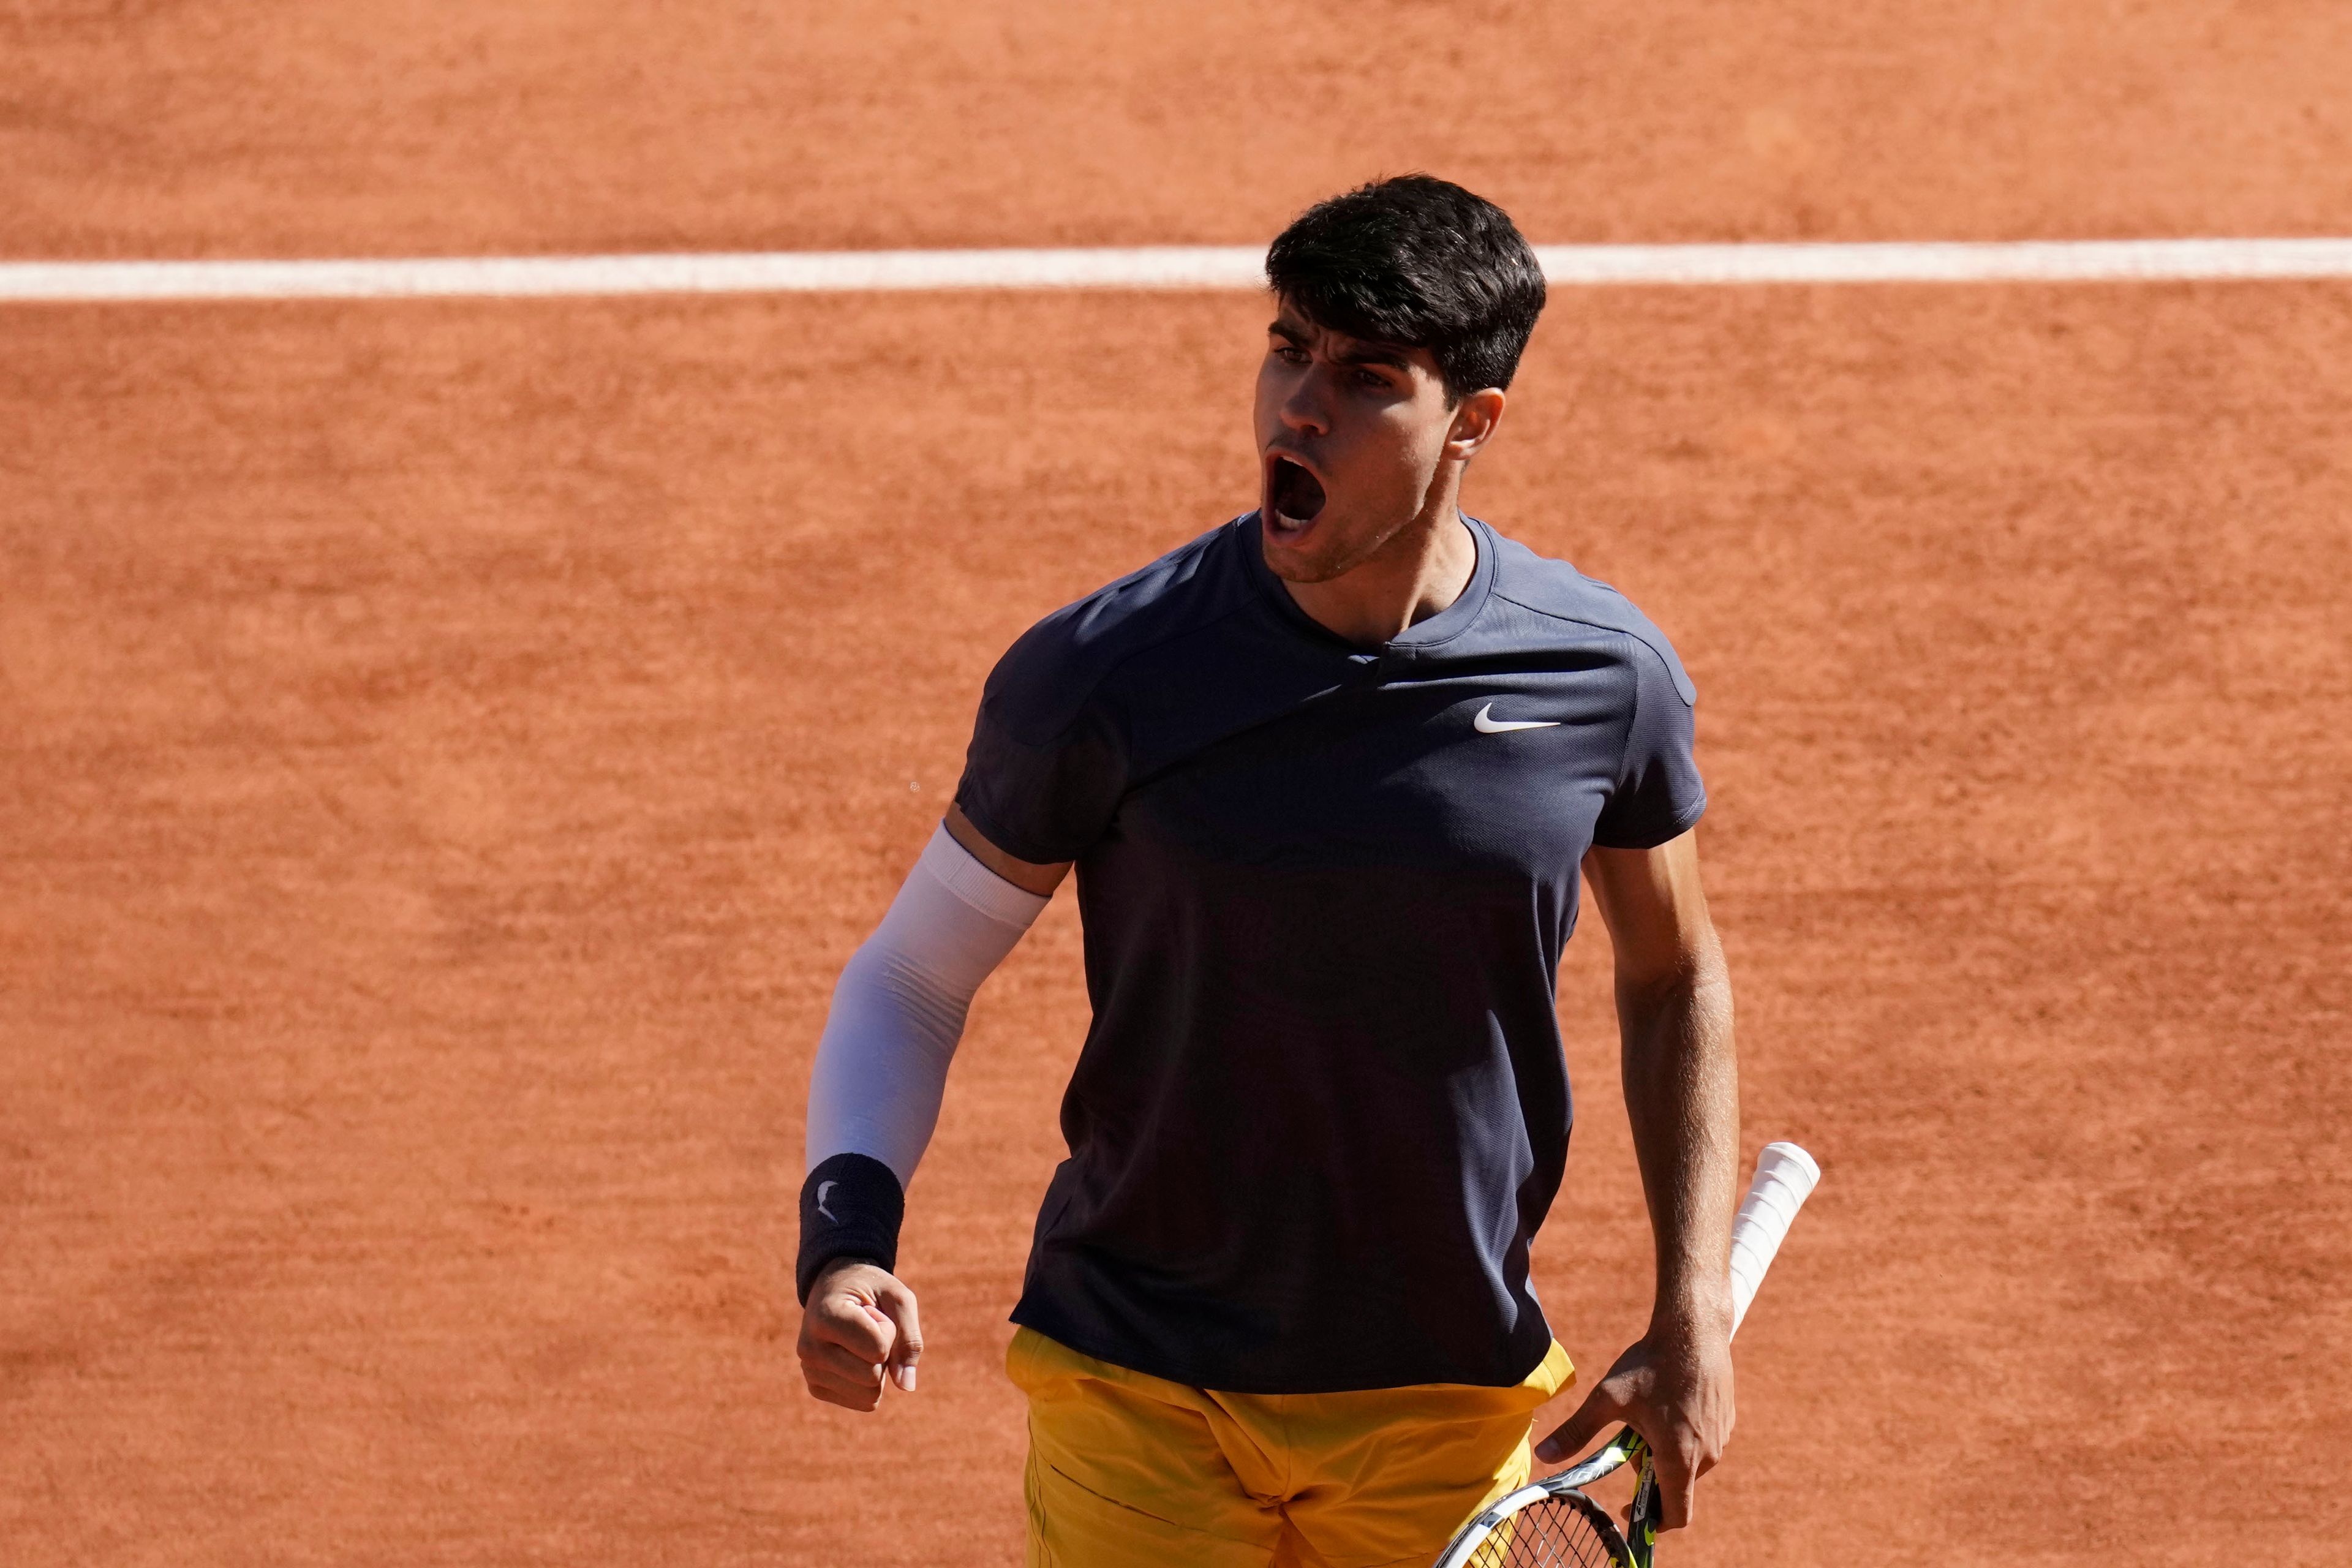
(1673, 1385)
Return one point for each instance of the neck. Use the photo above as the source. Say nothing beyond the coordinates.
(1420, 570)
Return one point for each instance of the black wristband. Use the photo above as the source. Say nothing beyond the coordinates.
(851, 1206)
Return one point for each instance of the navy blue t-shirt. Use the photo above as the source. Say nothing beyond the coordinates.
(1322, 1108)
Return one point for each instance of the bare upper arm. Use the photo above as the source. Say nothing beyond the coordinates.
(1655, 907)
(1026, 875)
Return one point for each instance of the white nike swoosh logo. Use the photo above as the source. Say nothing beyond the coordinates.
(822, 1188)
(1485, 726)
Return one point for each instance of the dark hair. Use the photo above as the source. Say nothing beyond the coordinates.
(1417, 262)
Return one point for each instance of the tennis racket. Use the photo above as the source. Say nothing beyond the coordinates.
(1551, 1523)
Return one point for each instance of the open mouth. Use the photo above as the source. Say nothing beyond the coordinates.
(1292, 494)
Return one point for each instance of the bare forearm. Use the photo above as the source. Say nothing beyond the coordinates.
(1682, 1094)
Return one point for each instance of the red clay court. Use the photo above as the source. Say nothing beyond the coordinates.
(451, 746)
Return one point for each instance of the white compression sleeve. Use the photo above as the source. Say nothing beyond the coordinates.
(899, 1007)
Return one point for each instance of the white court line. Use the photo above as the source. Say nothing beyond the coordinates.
(1148, 266)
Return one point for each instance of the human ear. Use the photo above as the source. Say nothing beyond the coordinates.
(1475, 419)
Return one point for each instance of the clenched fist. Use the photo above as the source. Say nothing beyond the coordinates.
(859, 1325)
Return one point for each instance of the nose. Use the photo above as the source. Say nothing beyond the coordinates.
(1304, 407)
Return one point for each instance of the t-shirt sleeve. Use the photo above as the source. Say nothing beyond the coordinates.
(1657, 794)
(1046, 769)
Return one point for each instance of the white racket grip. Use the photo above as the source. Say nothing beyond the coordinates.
(1785, 1176)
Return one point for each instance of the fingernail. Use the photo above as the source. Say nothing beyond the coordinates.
(906, 1378)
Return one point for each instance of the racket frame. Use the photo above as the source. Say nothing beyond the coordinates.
(1785, 1177)
(1562, 1488)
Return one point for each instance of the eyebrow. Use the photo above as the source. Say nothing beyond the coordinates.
(1364, 352)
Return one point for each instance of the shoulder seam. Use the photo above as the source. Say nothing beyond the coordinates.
(1228, 613)
(1573, 620)
(1627, 633)
(1633, 721)
(1112, 669)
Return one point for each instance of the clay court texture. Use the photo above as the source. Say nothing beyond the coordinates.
(451, 745)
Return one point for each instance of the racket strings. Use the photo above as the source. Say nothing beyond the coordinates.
(1552, 1534)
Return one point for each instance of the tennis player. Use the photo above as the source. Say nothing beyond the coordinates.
(1327, 774)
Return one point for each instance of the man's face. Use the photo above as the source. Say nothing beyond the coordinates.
(1350, 437)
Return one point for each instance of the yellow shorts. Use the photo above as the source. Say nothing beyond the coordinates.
(1127, 1469)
